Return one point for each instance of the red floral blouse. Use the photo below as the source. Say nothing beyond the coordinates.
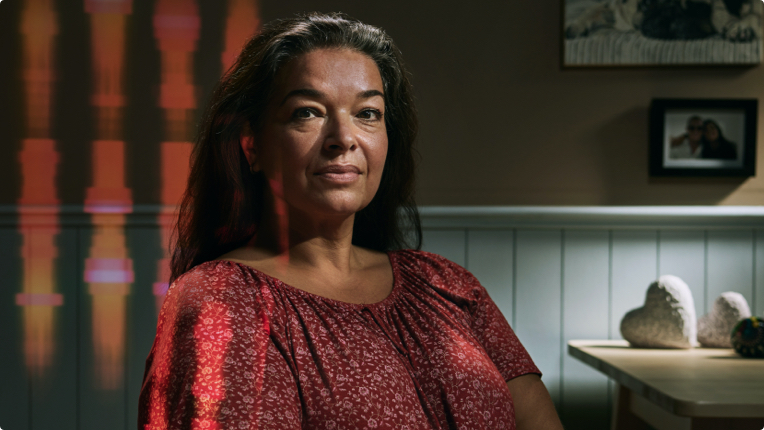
(238, 349)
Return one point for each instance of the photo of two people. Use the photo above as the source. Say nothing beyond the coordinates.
(703, 138)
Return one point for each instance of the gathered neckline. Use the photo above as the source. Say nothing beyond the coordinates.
(391, 255)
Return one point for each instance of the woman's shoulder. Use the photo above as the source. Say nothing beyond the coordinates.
(438, 271)
(214, 273)
(216, 281)
(426, 259)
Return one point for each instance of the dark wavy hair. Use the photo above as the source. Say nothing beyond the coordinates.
(224, 201)
(721, 148)
(721, 139)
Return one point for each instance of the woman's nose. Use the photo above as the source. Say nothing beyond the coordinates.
(341, 134)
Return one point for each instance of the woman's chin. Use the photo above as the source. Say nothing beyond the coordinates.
(341, 210)
(337, 203)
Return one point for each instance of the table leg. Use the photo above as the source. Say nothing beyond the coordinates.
(623, 418)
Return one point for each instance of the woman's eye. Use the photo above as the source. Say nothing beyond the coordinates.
(370, 114)
(304, 113)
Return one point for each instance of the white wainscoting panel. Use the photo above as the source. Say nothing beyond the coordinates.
(538, 315)
(556, 273)
(142, 313)
(490, 257)
(577, 271)
(49, 409)
(634, 267)
(730, 264)
(99, 407)
(585, 301)
(683, 254)
(447, 243)
(14, 390)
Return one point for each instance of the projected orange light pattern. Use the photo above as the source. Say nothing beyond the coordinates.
(39, 160)
(108, 270)
(242, 22)
(176, 29)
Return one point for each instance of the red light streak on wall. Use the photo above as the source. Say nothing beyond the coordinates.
(176, 29)
(243, 22)
(108, 270)
(38, 204)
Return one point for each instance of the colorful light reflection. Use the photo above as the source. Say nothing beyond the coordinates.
(38, 204)
(108, 270)
(242, 22)
(176, 29)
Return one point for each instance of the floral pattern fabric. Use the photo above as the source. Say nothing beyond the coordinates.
(238, 349)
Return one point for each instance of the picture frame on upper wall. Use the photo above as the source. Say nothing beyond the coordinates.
(661, 32)
(703, 137)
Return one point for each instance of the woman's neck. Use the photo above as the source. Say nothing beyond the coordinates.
(300, 240)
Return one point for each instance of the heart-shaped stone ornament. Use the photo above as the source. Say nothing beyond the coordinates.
(667, 319)
(715, 327)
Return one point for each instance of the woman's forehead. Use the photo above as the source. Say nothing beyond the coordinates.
(328, 70)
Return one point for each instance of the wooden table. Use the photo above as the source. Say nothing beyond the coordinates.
(700, 388)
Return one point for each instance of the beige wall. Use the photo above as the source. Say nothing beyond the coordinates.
(503, 124)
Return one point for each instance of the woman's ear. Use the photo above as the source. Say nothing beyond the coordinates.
(247, 141)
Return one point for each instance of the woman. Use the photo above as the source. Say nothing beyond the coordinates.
(714, 144)
(293, 304)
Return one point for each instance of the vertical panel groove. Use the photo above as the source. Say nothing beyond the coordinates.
(30, 402)
(755, 282)
(467, 249)
(610, 308)
(562, 317)
(514, 277)
(610, 284)
(657, 254)
(705, 271)
(78, 327)
(30, 386)
(128, 344)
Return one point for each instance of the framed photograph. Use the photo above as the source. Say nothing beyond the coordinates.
(703, 137)
(661, 33)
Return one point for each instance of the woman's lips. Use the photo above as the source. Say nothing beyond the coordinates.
(339, 173)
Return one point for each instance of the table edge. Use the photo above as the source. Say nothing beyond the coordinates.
(681, 407)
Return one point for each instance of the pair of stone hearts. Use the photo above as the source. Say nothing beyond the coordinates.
(667, 319)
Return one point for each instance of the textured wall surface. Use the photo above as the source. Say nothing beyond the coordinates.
(502, 123)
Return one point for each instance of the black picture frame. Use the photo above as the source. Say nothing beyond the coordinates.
(677, 150)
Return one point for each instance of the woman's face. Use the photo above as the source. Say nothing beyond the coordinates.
(711, 132)
(323, 142)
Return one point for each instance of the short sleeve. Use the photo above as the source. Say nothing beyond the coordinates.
(496, 336)
(485, 319)
(207, 365)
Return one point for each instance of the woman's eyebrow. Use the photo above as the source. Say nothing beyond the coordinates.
(306, 92)
(315, 94)
(370, 93)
